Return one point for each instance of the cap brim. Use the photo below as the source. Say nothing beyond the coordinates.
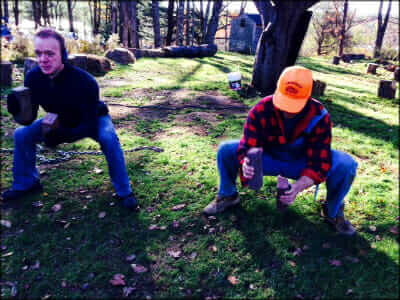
(285, 103)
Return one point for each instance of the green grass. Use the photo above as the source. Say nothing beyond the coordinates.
(79, 252)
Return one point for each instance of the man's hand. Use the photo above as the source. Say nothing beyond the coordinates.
(300, 185)
(248, 171)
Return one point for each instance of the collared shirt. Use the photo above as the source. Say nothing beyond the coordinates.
(264, 128)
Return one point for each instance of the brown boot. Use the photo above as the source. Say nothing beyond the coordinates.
(221, 203)
(341, 225)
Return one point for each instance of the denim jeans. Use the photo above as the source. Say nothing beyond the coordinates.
(25, 173)
(339, 180)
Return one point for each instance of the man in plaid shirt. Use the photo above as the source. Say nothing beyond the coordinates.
(295, 133)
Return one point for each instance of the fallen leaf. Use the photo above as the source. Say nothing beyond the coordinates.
(37, 204)
(98, 171)
(56, 207)
(24, 268)
(36, 265)
(214, 248)
(118, 280)
(63, 284)
(102, 214)
(335, 262)
(138, 268)
(252, 287)
(131, 257)
(292, 263)
(153, 226)
(394, 229)
(67, 225)
(175, 253)
(372, 228)
(326, 245)
(212, 217)
(193, 255)
(175, 224)
(127, 290)
(6, 223)
(305, 247)
(7, 254)
(163, 227)
(89, 196)
(233, 280)
(373, 245)
(299, 296)
(349, 291)
(45, 194)
(378, 237)
(297, 252)
(178, 207)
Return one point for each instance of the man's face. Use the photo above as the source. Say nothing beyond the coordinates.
(48, 54)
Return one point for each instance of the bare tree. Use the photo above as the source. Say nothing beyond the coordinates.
(381, 28)
(114, 16)
(156, 23)
(213, 24)
(36, 13)
(285, 24)
(187, 23)
(6, 14)
(205, 21)
(180, 19)
(134, 25)
(70, 16)
(126, 23)
(322, 23)
(343, 28)
(171, 22)
(16, 12)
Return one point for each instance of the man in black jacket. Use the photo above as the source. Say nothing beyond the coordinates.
(73, 94)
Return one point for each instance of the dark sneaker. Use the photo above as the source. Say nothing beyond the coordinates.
(13, 195)
(341, 225)
(221, 203)
(129, 201)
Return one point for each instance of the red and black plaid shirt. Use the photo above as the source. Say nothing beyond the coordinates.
(264, 128)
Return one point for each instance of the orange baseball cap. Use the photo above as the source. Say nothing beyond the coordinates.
(293, 90)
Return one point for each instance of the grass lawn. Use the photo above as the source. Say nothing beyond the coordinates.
(250, 251)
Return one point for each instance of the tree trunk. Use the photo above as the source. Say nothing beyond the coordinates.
(16, 12)
(381, 28)
(187, 23)
(213, 24)
(171, 22)
(343, 29)
(70, 15)
(205, 22)
(156, 23)
(125, 23)
(134, 25)
(45, 13)
(114, 15)
(277, 44)
(6, 14)
(36, 13)
(179, 33)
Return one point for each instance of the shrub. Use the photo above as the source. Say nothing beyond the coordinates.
(93, 47)
(20, 47)
(113, 42)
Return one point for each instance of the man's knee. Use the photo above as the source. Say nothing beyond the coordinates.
(21, 135)
(227, 148)
(345, 163)
(107, 136)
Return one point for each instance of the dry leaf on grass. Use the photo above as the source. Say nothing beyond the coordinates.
(292, 263)
(335, 262)
(326, 245)
(372, 228)
(178, 207)
(395, 229)
(56, 207)
(126, 291)
(233, 280)
(297, 252)
(131, 257)
(153, 227)
(214, 248)
(102, 214)
(118, 280)
(138, 268)
(175, 224)
(6, 223)
(98, 171)
(349, 291)
(175, 253)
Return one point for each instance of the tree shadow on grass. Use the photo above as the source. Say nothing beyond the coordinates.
(312, 274)
(328, 69)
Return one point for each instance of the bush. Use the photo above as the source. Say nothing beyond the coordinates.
(20, 47)
(93, 47)
(113, 42)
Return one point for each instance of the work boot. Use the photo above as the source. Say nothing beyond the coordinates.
(11, 195)
(221, 203)
(341, 225)
(128, 201)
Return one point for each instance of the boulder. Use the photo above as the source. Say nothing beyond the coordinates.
(97, 64)
(5, 74)
(29, 64)
(121, 55)
(318, 88)
(79, 60)
(397, 74)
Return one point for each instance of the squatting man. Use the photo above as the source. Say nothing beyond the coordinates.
(295, 134)
(70, 96)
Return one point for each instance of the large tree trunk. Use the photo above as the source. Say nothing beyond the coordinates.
(213, 24)
(343, 29)
(45, 13)
(187, 23)
(171, 22)
(125, 23)
(180, 19)
(114, 15)
(70, 16)
(134, 25)
(156, 23)
(16, 12)
(205, 21)
(280, 41)
(6, 14)
(36, 13)
(381, 28)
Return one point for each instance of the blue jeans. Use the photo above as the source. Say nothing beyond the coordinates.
(339, 180)
(25, 173)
